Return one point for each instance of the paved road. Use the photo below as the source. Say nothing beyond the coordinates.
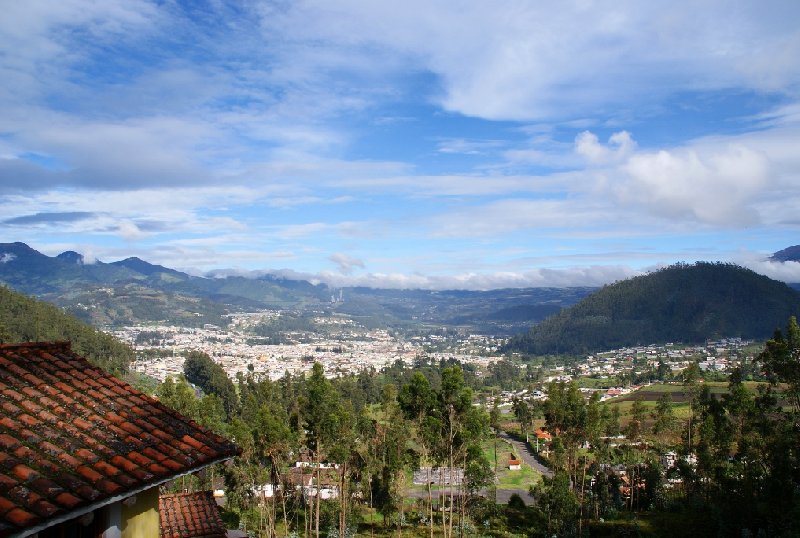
(525, 453)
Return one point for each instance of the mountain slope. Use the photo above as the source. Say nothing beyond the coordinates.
(134, 291)
(790, 254)
(140, 266)
(682, 303)
(23, 319)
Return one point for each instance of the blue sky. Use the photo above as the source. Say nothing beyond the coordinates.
(437, 144)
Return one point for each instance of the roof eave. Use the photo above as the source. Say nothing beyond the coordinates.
(109, 501)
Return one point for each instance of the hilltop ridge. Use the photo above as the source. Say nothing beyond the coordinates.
(681, 303)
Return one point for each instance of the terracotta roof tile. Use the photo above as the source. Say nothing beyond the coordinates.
(67, 499)
(72, 435)
(123, 463)
(46, 487)
(28, 436)
(23, 473)
(6, 505)
(7, 442)
(20, 518)
(190, 515)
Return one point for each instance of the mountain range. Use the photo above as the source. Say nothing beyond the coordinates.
(134, 291)
(682, 303)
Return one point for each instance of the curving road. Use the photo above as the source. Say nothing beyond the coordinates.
(504, 495)
(525, 454)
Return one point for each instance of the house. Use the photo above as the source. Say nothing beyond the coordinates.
(514, 464)
(305, 479)
(543, 438)
(82, 453)
(669, 459)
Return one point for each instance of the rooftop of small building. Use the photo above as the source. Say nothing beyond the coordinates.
(190, 515)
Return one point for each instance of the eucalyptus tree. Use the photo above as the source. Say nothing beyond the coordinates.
(781, 361)
(323, 420)
(464, 427)
(565, 416)
(664, 420)
(523, 412)
(273, 442)
(417, 401)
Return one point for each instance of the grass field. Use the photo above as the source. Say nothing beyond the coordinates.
(506, 478)
(680, 394)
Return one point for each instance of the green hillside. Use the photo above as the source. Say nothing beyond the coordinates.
(135, 291)
(23, 319)
(682, 303)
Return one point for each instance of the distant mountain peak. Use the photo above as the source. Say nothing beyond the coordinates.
(70, 256)
(146, 268)
(790, 254)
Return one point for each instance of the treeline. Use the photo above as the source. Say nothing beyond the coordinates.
(362, 434)
(23, 319)
(681, 303)
(736, 467)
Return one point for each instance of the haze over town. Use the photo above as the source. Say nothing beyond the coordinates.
(423, 144)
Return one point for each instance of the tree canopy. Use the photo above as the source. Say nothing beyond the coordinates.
(24, 319)
(681, 303)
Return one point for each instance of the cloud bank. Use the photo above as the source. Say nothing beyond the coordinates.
(428, 143)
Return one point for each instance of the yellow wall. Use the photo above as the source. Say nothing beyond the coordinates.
(142, 520)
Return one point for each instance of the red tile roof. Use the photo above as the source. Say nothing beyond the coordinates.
(190, 515)
(73, 438)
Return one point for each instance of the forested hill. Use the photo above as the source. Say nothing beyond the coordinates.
(681, 303)
(23, 319)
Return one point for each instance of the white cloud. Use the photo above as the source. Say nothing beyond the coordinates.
(468, 147)
(346, 262)
(536, 60)
(6, 257)
(130, 231)
(620, 145)
(712, 187)
(506, 216)
(559, 278)
(784, 271)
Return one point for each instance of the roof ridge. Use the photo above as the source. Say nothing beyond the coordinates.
(58, 345)
(186, 493)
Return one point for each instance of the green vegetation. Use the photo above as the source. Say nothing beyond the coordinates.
(735, 469)
(682, 303)
(23, 319)
(202, 371)
(376, 427)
